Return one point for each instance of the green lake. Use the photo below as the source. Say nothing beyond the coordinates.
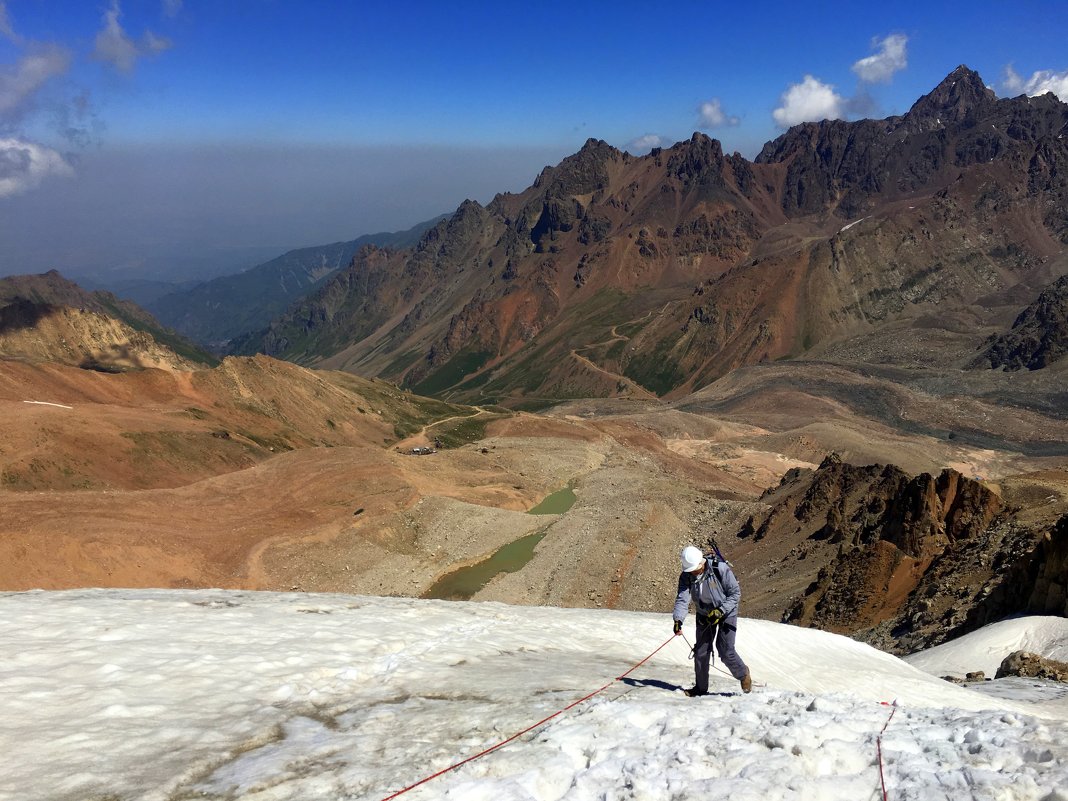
(555, 504)
(462, 584)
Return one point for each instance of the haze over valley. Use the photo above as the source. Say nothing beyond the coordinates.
(829, 339)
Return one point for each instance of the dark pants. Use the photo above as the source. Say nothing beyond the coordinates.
(724, 636)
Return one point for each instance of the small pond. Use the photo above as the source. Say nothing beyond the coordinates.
(462, 584)
(555, 504)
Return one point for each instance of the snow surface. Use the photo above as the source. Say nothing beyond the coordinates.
(985, 649)
(174, 695)
(855, 222)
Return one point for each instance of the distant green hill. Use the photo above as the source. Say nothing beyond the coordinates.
(216, 311)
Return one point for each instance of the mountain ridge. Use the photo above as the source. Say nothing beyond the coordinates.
(216, 311)
(49, 318)
(704, 261)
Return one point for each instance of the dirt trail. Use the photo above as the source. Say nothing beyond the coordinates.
(636, 389)
(422, 439)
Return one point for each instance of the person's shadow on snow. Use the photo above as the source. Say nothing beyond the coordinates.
(661, 685)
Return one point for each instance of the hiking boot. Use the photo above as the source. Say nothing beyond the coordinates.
(747, 682)
(693, 692)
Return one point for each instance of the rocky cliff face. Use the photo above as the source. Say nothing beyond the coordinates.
(1038, 337)
(668, 270)
(908, 561)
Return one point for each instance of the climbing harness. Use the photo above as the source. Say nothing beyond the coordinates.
(517, 735)
(711, 654)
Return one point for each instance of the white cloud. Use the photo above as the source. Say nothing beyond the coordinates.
(20, 80)
(808, 101)
(23, 165)
(646, 142)
(115, 47)
(5, 24)
(712, 115)
(172, 8)
(891, 57)
(1039, 83)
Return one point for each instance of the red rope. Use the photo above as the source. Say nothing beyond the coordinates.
(879, 745)
(517, 735)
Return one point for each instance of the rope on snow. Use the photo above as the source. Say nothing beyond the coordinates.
(517, 735)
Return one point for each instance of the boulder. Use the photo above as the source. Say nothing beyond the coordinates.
(1023, 663)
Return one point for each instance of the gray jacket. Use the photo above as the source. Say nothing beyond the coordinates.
(717, 588)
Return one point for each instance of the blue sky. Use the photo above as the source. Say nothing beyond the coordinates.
(132, 130)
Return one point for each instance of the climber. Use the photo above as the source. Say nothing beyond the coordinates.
(709, 583)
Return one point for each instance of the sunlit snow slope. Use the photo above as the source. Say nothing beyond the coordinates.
(220, 695)
(984, 649)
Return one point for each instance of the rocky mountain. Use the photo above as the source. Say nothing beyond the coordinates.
(216, 311)
(47, 318)
(621, 275)
(905, 561)
(1038, 337)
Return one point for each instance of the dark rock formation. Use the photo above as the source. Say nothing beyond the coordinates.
(905, 562)
(1038, 337)
(961, 98)
(889, 527)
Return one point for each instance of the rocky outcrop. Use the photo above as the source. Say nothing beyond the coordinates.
(1031, 578)
(1047, 573)
(889, 528)
(727, 235)
(1038, 337)
(907, 562)
(699, 161)
(1032, 666)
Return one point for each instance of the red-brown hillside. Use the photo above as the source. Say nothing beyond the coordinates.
(621, 275)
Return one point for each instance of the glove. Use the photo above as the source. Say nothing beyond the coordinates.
(715, 616)
(678, 627)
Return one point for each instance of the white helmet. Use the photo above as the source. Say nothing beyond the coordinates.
(692, 558)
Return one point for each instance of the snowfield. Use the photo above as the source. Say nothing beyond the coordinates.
(171, 695)
(983, 650)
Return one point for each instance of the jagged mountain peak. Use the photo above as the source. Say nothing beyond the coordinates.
(698, 143)
(469, 210)
(598, 147)
(960, 96)
(581, 173)
(699, 157)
